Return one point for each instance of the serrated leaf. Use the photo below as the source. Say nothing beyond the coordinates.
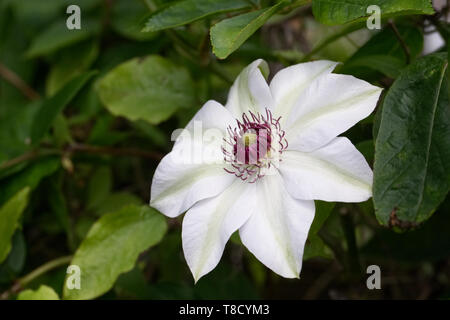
(43, 293)
(10, 214)
(334, 12)
(188, 11)
(229, 34)
(150, 89)
(412, 151)
(112, 247)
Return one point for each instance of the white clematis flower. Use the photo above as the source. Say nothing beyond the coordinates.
(279, 153)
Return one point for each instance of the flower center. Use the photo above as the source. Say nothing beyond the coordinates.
(253, 147)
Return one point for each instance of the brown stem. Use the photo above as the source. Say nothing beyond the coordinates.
(17, 82)
(401, 41)
(27, 156)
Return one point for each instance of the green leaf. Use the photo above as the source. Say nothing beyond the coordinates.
(17, 256)
(71, 62)
(412, 151)
(128, 19)
(116, 201)
(29, 177)
(333, 12)
(112, 247)
(58, 36)
(384, 53)
(58, 206)
(315, 247)
(150, 88)
(323, 210)
(10, 214)
(367, 148)
(15, 126)
(187, 11)
(229, 34)
(54, 105)
(43, 293)
(99, 187)
(14, 264)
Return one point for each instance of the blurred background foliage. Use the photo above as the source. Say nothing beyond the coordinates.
(86, 115)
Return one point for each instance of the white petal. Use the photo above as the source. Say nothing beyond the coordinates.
(194, 170)
(289, 83)
(209, 224)
(329, 106)
(277, 230)
(335, 172)
(250, 91)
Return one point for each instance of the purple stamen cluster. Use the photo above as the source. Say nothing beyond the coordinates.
(253, 145)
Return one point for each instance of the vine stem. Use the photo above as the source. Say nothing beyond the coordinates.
(401, 41)
(17, 82)
(332, 38)
(25, 280)
(28, 156)
(44, 269)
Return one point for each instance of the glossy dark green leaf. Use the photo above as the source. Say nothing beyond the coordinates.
(10, 214)
(187, 11)
(112, 247)
(52, 106)
(150, 89)
(342, 11)
(412, 151)
(229, 34)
